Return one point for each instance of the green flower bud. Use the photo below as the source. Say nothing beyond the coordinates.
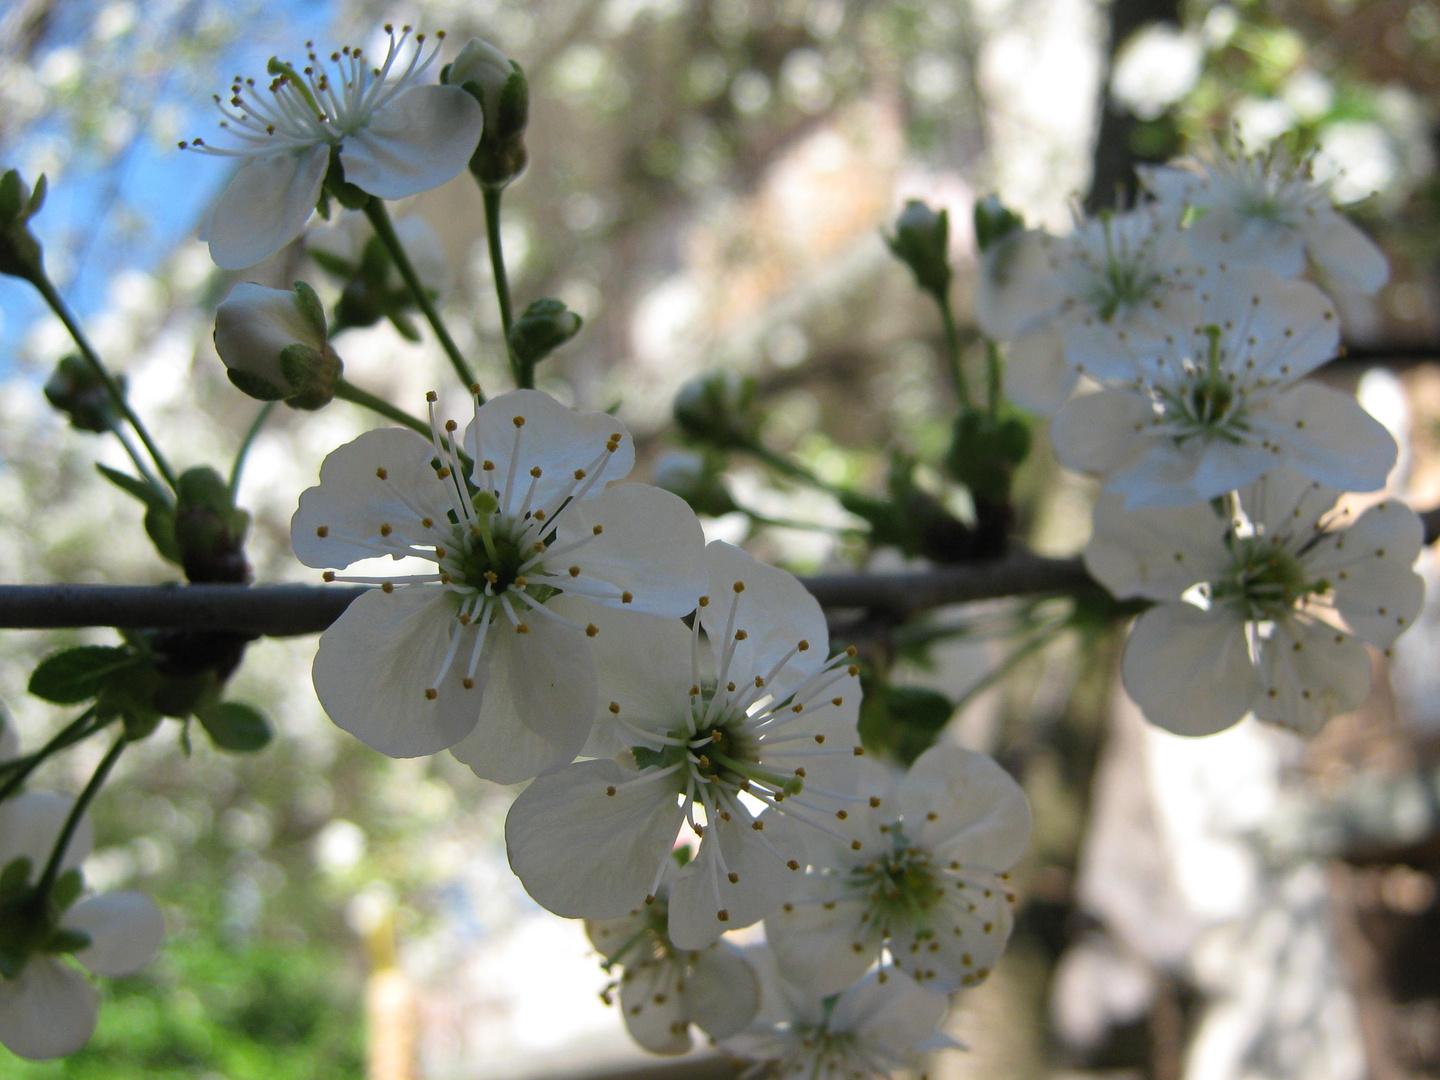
(275, 347)
(718, 409)
(542, 328)
(994, 221)
(75, 389)
(209, 528)
(499, 85)
(20, 253)
(921, 242)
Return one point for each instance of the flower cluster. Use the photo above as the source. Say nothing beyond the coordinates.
(1174, 339)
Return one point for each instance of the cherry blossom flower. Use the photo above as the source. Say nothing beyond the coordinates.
(739, 750)
(392, 136)
(1114, 274)
(1214, 401)
(1266, 611)
(47, 1007)
(877, 1026)
(490, 653)
(662, 990)
(919, 875)
(1267, 209)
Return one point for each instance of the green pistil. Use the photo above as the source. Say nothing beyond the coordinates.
(902, 888)
(276, 66)
(1268, 580)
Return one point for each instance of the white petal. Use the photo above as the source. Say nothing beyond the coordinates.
(265, 205)
(1344, 253)
(1157, 554)
(758, 858)
(47, 1011)
(1327, 435)
(584, 854)
(30, 824)
(1170, 475)
(1037, 376)
(416, 141)
(774, 610)
(1101, 432)
(125, 930)
(963, 937)
(722, 992)
(891, 1016)
(1018, 289)
(650, 546)
(539, 701)
(814, 938)
(1273, 328)
(376, 662)
(1189, 670)
(643, 666)
(1310, 672)
(612, 936)
(1226, 235)
(654, 1008)
(1287, 503)
(352, 501)
(1369, 565)
(962, 805)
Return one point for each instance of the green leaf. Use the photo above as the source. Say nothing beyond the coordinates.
(15, 878)
(310, 306)
(10, 196)
(133, 485)
(236, 727)
(76, 675)
(332, 263)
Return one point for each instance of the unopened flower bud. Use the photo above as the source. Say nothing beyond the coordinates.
(20, 254)
(209, 528)
(921, 242)
(718, 409)
(77, 390)
(994, 221)
(542, 328)
(498, 83)
(696, 480)
(274, 345)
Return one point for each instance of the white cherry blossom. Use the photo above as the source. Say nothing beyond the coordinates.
(1267, 611)
(918, 878)
(663, 990)
(1268, 209)
(1213, 400)
(489, 654)
(1115, 274)
(393, 136)
(48, 1008)
(880, 1025)
(738, 749)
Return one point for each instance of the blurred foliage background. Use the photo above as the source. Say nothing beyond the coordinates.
(708, 188)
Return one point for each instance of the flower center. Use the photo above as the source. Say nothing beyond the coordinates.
(901, 887)
(1267, 580)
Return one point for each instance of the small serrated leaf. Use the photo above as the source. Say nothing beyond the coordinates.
(234, 726)
(78, 674)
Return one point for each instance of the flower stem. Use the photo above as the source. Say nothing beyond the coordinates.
(524, 374)
(240, 454)
(994, 367)
(808, 526)
(952, 352)
(57, 305)
(380, 219)
(348, 391)
(52, 868)
(786, 467)
(73, 732)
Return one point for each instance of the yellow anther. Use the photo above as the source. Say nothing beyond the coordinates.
(625, 597)
(431, 694)
(574, 571)
(522, 628)
(385, 528)
(739, 586)
(450, 425)
(598, 529)
(591, 630)
(382, 473)
(704, 601)
(802, 645)
(427, 522)
(518, 421)
(468, 683)
(611, 791)
(615, 707)
(388, 587)
(431, 396)
(535, 472)
(579, 474)
(734, 877)
(328, 575)
(323, 531)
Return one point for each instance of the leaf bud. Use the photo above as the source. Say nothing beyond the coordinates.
(921, 242)
(542, 328)
(209, 528)
(77, 390)
(718, 409)
(20, 252)
(275, 347)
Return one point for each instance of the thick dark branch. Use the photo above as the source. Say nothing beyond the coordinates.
(284, 610)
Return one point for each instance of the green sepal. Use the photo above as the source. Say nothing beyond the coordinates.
(37, 196)
(403, 326)
(542, 328)
(346, 194)
(921, 242)
(994, 221)
(514, 108)
(15, 878)
(130, 697)
(160, 527)
(12, 962)
(299, 364)
(236, 727)
(332, 263)
(67, 889)
(65, 940)
(12, 196)
(310, 306)
(646, 758)
(79, 674)
(133, 485)
(255, 386)
(375, 262)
